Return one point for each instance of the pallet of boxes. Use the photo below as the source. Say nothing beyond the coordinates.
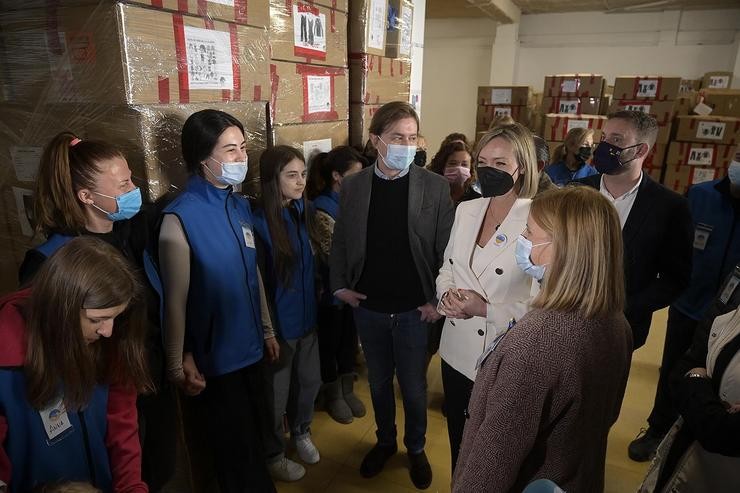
(572, 101)
(493, 102)
(125, 73)
(656, 96)
(309, 80)
(380, 60)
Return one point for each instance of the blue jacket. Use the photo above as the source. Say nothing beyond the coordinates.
(295, 305)
(713, 212)
(561, 175)
(224, 324)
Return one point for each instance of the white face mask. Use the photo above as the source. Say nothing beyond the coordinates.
(398, 157)
(231, 173)
(733, 172)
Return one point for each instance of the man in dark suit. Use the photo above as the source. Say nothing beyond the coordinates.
(388, 245)
(656, 223)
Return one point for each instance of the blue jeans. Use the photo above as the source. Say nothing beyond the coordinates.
(396, 343)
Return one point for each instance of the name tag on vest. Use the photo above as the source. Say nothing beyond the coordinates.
(248, 235)
(701, 235)
(56, 420)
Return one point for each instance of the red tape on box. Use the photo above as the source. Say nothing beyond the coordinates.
(202, 8)
(241, 11)
(274, 86)
(182, 6)
(235, 68)
(182, 58)
(309, 70)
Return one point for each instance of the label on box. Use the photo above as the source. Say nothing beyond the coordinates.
(81, 46)
(407, 16)
(318, 92)
(230, 3)
(569, 106)
(501, 111)
(719, 81)
(309, 29)
(643, 108)
(703, 174)
(210, 65)
(376, 25)
(26, 161)
(710, 130)
(313, 147)
(24, 204)
(576, 124)
(500, 96)
(647, 88)
(570, 85)
(700, 156)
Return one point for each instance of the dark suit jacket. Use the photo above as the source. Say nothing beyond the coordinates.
(658, 246)
(430, 216)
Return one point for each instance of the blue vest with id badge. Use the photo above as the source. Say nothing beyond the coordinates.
(53, 444)
(224, 323)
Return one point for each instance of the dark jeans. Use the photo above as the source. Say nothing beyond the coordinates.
(678, 337)
(337, 341)
(457, 388)
(396, 343)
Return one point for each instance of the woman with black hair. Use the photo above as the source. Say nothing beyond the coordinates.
(214, 319)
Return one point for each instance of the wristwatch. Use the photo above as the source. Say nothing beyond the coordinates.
(695, 375)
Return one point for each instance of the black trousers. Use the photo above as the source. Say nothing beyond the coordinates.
(457, 388)
(337, 341)
(158, 435)
(678, 337)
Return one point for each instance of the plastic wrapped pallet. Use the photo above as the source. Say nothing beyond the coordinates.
(377, 80)
(398, 35)
(312, 138)
(368, 22)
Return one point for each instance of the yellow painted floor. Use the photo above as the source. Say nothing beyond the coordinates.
(342, 447)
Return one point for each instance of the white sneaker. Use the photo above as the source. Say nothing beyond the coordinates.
(307, 451)
(286, 470)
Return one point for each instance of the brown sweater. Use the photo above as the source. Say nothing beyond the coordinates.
(543, 403)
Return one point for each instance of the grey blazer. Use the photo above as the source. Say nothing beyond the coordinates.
(430, 216)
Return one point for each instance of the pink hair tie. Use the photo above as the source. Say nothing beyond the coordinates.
(74, 142)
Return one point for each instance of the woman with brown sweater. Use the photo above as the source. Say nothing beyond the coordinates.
(549, 390)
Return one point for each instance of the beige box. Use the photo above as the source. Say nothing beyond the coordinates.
(680, 178)
(376, 80)
(647, 87)
(368, 25)
(724, 102)
(689, 85)
(573, 106)
(119, 54)
(662, 110)
(698, 154)
(487, 113)
(398, 36)
(717, 80)
(557, 126)
(574, 85)
(710, 129)
(308, 93)
(311, 138)
(306, 33)
(685, 103)
(656, 173)
(504, 95)
(251, 12)
(656, 157)
(340, 5)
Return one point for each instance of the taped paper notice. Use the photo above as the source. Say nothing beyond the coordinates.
(647, 88)
(568, 106)
(313, 147)
(500, 96)
(577, 124)
(703, 174)
(719, 81)
(407, 16)
(699, 156)
(570, 85)
(643, 108)
(319, 93)
(209, 59)
(24, 204)
(26, 161)
(710, 130)
(309, 28)
(376, 25)
(502, 111)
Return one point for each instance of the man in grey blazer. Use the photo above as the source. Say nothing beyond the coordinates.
(388, 245)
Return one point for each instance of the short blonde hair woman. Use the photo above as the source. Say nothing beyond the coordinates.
(522, 142)
(563, 367)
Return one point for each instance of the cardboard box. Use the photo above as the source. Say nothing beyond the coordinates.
(306, 33)
(647, 87)
(400, 23)
(360, 116)
(574, 85)
(251, 12)
(680, 178)
(504, 95)
(662, 110)
(557, 126)
(376, 80)
(656, 173)
(340, 5)
(697, 154)
(312, 137)
(120, 54)
(710, 129)
(656, 157)
(724, 102)
(573, 106)
(685, 103)
(368, 25)
(689, 85)
(487, 113)
(308, 93)
(717, 80)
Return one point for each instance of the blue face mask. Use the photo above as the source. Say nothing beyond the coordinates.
(733, 172)
(231, 173)
(127, 205)
(608, 157)
(523, 255)
(399, 157)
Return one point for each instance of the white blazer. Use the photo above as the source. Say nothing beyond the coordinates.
(493, 273)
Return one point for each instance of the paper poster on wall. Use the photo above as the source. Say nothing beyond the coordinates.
(313, 147)
(500, 96)
(710, 130)
(318, 93)
(26, 161)
(569, 106)
(230, 3)
(24, 204)
(577, 124)
(647, 88)
(407, 16)
(309, 31)
(719, 82)
(703, 174)
(700, 156)
(376, 25)
(210, 64)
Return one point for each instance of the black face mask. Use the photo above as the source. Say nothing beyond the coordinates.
(494, 182)
(584, 153)
(420, 159)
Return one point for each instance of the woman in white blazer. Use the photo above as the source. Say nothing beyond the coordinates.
(482, 290)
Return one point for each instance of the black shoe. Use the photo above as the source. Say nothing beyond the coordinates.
(420, 470)
(375, 460)
(643, 448)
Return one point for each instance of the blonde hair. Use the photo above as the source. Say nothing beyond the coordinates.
(521, 139)
(575, 136)
(586, 274)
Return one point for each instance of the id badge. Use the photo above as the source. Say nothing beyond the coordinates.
(730, 287)
(248, 235)
(56, 420)
(701, 235)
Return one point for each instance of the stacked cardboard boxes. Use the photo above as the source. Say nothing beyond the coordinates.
(495, 101)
